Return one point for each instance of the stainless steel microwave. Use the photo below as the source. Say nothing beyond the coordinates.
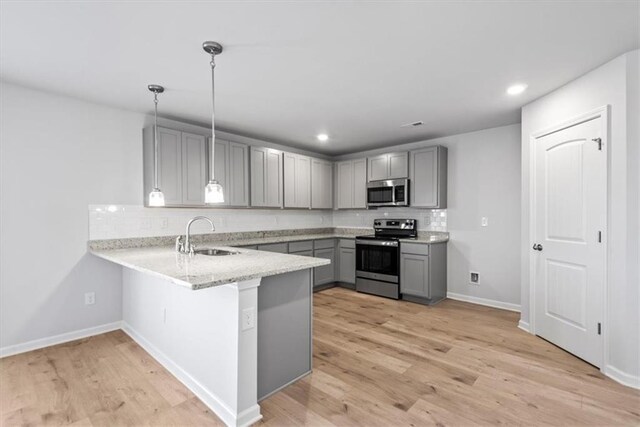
(388, 192)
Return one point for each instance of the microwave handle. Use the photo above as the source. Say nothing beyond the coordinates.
(393, 194)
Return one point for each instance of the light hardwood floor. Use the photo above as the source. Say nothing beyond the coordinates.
(377, 362)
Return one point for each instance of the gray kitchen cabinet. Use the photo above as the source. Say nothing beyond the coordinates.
(232, 171)
(351, 184)
(303, 248)
(297, 181)
(182, 167)
(423, 272)
(281, 248)
(347, 265)
(388, 166)
(266, 177)
(428, 174)
(321, 184)
(324, 275)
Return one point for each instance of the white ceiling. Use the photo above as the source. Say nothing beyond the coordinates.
(356, 70)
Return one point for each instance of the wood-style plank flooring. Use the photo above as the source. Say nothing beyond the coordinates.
(377, 362)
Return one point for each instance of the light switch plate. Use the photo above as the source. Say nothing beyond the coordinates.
(484, 221)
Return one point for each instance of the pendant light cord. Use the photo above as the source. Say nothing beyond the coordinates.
(155, 142)
(213, 115)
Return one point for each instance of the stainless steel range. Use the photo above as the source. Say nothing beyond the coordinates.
(378, 257)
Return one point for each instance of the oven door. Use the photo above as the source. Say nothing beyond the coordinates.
(378, 260)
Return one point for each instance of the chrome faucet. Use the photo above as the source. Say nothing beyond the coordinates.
(187, 247)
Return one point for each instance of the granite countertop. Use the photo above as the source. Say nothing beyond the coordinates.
(202, 271)
(423, 239)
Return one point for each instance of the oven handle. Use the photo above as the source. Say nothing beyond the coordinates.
(376, 243)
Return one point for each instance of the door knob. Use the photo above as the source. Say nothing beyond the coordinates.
(537, 247)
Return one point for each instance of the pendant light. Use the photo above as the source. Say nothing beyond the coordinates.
(156, 197)
(213, 192)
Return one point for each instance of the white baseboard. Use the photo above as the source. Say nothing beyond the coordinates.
(10, 350)
(244, 418)
(483, 301)
(622, 377)
(524, 326)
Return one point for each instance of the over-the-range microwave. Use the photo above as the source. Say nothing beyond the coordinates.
(388, 192)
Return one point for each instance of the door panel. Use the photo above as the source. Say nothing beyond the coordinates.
(360, 183)
(222, 167)
(194, 168)
(170, 165)
(424, 178)
(398, 165)
(345, 185)
(238, 174)
(379, 167)
(570, 210)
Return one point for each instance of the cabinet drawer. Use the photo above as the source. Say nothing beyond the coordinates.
(348, 243)
(414, 248)
(323, 244)
(307, 245)
(274, 247)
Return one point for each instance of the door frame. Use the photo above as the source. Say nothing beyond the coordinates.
(603, 113)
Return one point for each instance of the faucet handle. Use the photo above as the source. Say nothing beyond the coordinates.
(179, 244)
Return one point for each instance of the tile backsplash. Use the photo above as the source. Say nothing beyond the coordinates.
(428, 220)
(124, 221)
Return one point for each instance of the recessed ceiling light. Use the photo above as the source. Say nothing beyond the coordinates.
(322, 137)
(516, 89)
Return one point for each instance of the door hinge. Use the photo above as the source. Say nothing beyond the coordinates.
(599, 236)
(599, 328)
(599, 141)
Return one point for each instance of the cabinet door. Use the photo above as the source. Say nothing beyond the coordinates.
(258, 167)
(170, 165)
(398, 165)
(414, 275)
(325, 274)
(238, 192)
(347, 272)
(266, 177)
(273, 178)
(222, 168)
(321, 184)
(345, 185)
(360, 183)
(194, 168)
(297, 177)
(424, 178)
(379, 167)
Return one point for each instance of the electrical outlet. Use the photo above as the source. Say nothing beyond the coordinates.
(474, 278)
(89, 298)
(485, 221)
(164, 223)
(248, 318)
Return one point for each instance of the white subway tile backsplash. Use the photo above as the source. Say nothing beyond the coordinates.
(123, 221)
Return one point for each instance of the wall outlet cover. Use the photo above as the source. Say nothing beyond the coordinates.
(474, 278)
(248, 318)
(90, 298)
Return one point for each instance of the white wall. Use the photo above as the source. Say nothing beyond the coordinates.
(59, 155)
(615, 84)
(483, 181)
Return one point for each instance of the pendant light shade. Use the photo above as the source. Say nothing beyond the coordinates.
(213, 192)
(156, 197)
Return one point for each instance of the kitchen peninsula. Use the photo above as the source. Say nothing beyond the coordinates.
(233, 328)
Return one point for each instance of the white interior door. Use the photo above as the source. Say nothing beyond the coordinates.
(570, 220)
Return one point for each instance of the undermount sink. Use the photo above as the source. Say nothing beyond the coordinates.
(214, 252)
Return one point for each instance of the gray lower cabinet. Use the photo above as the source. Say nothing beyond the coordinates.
(326, 274)
(281, 248)
(423, 272)
(347, 261)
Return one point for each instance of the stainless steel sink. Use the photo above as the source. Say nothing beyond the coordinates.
(215, 252)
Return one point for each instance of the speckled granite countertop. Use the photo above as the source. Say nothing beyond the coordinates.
(260, 238)
(202, 271)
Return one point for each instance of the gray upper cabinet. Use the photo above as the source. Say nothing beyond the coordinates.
(238, 194)
(388, 166)
(182, 168)
(351, 184)
(232, 172)
(428, 174)
(321, 184)
(266, 177)
(297, 181)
